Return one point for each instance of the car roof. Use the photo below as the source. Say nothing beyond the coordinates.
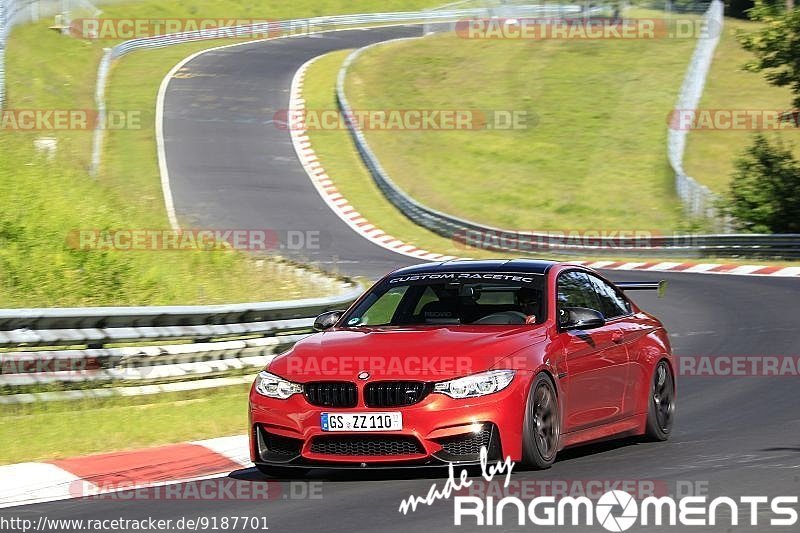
(532, 266)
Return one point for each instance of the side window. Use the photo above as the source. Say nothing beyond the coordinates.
(575, 290)
(612, 304)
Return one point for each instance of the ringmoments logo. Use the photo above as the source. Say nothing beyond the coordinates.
(615, 510)
(616, 499)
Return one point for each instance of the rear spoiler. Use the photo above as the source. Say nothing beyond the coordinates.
(660, 286)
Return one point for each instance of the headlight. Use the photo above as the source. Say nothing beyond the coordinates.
(476, 385)
(274, 387)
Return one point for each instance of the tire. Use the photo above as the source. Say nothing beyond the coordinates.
(661, 405)
(279, 472)
(541, 430)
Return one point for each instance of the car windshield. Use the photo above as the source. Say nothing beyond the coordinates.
(442, 298)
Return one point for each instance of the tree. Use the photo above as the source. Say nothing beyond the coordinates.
(739, 8)
(764, 194)
(743, 9)
(776, 45)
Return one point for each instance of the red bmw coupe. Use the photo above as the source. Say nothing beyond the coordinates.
(438, 361)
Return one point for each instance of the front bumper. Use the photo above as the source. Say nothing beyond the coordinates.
(437, 431)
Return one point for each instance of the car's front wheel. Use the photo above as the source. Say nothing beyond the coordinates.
(542, 424)
(661, 410)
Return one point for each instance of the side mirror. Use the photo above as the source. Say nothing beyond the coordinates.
(327, 320)
(580, 318)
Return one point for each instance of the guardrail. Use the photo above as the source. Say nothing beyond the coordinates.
(488, 237)
(698, 200)
(53, 354)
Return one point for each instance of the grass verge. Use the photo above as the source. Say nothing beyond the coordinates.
(56, 430)
(44, 199)
(591, 157)
(338, 156)
(710, 154)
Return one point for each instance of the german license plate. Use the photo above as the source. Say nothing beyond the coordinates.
(392, 421)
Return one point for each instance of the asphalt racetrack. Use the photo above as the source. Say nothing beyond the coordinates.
(231, 168)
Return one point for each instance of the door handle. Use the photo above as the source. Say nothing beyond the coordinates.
(617, 336)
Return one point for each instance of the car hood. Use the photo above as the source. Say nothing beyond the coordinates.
(421, 353)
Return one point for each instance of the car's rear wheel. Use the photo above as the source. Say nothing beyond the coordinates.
(661, 411)
(542, 424)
